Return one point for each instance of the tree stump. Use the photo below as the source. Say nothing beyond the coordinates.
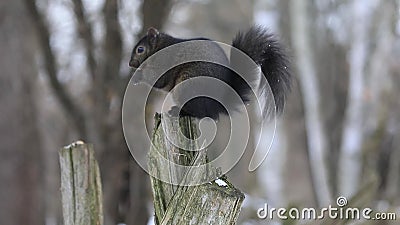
(80, 185)
(178, 202)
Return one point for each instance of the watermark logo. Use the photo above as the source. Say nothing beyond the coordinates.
(151, 71)
(341, 212)
(341, 201)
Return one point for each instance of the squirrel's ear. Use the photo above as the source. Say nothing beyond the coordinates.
(152, 31)
(152, 34)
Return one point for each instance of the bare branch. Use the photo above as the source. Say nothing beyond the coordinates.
(112, 43)
(107, 83)
(85, 32)
(51, 70)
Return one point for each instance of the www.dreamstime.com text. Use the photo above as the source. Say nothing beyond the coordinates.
(339, 212)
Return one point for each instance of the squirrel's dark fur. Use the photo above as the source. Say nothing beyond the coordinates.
(257, 43)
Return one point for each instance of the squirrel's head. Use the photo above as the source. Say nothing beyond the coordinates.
(146, 72)
(147, 46)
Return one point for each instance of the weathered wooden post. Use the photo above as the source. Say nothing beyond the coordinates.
(215, 202)
(80, 185)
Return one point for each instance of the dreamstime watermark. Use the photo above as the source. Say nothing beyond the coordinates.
(341, 212)
(152, 69)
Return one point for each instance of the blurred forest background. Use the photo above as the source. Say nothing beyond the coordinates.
(65, 68)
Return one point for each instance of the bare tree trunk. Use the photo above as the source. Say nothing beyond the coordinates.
(380, 119)
(333, 75)
(296, 188)
(316, 135)
(350, 162)
(154, 14)
(20, 186)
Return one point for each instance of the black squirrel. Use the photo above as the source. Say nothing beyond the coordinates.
(257, 43)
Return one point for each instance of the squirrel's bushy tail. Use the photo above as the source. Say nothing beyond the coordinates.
(269, 55)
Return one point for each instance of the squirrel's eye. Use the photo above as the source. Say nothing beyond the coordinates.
(140, 49)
